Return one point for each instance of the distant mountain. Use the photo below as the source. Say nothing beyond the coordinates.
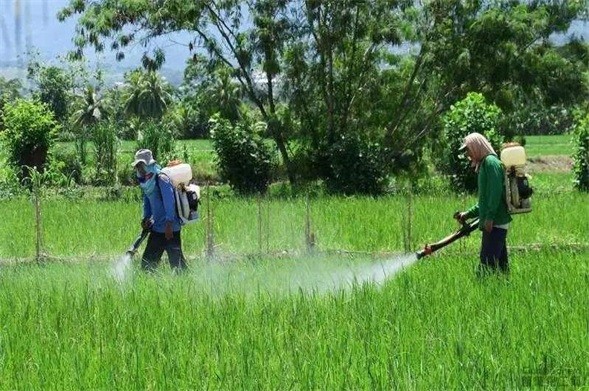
(32, 26)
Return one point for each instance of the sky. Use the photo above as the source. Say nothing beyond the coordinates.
(41, 32)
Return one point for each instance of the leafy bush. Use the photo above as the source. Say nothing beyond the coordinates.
(357, 167)
(68, 163)
(243, 159)
(187, 121)
(581, 154)
(472, 114)
(158, 138)
(30, 130)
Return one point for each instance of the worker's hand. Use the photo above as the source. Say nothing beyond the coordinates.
(460, 216)
(146, 223)
(168, 231)
(488, 225)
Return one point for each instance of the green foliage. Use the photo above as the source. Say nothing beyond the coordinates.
(357, 167)
(9, 91)
(472, 114)
(53, 88)
(244, 160)
(106, 142)
(146, 95)
(67, 163)
(157, 137)
(581, 154)
(30, 130)
(187, 120)
(538, 120)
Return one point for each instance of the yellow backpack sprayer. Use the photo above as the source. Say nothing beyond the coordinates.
(517, 188)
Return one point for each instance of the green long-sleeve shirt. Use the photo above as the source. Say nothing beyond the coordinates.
(491, 188)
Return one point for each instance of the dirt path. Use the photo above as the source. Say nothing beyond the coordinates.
(549, 163)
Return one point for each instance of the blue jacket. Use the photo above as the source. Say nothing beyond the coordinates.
(161, 206)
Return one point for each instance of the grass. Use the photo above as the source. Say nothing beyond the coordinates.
(549, 145)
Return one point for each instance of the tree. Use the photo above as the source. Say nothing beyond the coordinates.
(245, 36)
(54, 87)
(581, 154)
(89, 112)
(147, 95)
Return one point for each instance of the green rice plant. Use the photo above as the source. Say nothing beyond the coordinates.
(245, 325)
(81, 228)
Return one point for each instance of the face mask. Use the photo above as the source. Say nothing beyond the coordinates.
(148, 181)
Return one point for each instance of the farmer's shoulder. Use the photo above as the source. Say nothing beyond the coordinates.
(163, 178)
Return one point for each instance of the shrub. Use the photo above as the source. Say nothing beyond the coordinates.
(68, 164)
(158, 138)
(30, 130)
(581, 154)
(472, 114)
(243, 159)
(357, 167)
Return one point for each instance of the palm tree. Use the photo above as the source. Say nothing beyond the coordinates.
(227, 95)
(89, 113)
(147, 95)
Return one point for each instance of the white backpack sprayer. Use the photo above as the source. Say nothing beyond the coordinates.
(517, 195)
(187, 195)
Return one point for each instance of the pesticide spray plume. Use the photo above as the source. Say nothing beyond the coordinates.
(122, 267)
(465, 230)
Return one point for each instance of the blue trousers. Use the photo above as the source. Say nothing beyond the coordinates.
(494, 250)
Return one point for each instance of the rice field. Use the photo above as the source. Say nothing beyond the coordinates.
(317, 293)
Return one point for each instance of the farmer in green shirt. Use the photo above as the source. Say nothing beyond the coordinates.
(491, 208)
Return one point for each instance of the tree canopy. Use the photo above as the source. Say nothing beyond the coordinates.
(322, 73)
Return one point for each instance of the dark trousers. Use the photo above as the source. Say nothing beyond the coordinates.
(156, 244)
(494, 251)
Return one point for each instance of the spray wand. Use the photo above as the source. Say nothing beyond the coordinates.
(465, 230)
(133, 249)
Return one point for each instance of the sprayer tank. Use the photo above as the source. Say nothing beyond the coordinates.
(180, 173)
(513, 156)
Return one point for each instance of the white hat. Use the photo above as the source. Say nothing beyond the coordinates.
(143, 156)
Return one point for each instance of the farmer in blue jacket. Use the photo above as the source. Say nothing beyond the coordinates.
(159, 214)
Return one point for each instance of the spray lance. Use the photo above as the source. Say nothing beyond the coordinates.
(133, 249)
(146, 225)
(465, 230)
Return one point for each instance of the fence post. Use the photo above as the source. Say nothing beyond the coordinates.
(309, 235)
(36, 180)
(209, 233)
(259, 201)
(408, 221)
